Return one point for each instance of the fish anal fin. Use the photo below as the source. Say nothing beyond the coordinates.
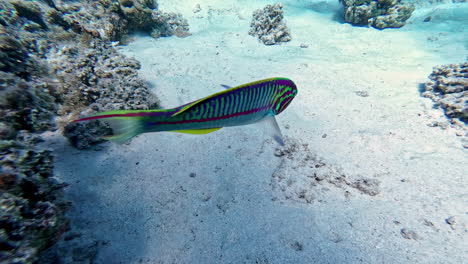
(197, 131)
(273, 129)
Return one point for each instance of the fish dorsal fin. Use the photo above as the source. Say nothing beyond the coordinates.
(197, 131)
(192, 104)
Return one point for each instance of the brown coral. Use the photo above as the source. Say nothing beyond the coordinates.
(268, 25)
(449, 88)
(377, 13)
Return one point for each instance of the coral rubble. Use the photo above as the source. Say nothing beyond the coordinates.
(268, 25)
(377, 13)
(449, 89)
(302, 176)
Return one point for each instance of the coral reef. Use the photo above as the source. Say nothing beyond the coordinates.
(57, 62)
(90, 17)
(268, 25)
(138, 13)
(104, 19)
(13, 56)
(449, 89)
(143, 15)
(169, 24)
(432, 2)
(89, 74)
(26, 95)
(377, 13)
(32, 210)
(25, 105)
(96, 78)
(86, 135)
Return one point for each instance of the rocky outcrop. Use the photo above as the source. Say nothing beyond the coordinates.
(268, 25)
(377, 13)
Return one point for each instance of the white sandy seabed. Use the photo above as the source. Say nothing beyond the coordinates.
(225, 197)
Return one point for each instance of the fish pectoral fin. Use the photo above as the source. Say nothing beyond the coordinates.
(273, 129)
(197, 131)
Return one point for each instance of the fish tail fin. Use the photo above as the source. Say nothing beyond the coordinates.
(125, 124)
(123, 128)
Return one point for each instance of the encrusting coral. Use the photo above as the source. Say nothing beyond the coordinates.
(377, 13)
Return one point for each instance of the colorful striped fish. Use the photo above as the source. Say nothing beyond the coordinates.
(240, 105)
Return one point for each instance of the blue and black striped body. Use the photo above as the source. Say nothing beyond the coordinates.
(241, 105)
(237, 106)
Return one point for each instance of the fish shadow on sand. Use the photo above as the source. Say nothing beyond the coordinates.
(156, 202)
(101, 206)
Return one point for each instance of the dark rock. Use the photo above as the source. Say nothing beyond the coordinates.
(13, 56)
(409, 234)
(367, 186)
(362, 93)
(451, 220)
(297, 246)
(31, 11)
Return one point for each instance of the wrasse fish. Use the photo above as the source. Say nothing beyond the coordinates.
(240, 105)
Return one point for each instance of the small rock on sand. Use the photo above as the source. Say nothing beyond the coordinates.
(409, 234)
